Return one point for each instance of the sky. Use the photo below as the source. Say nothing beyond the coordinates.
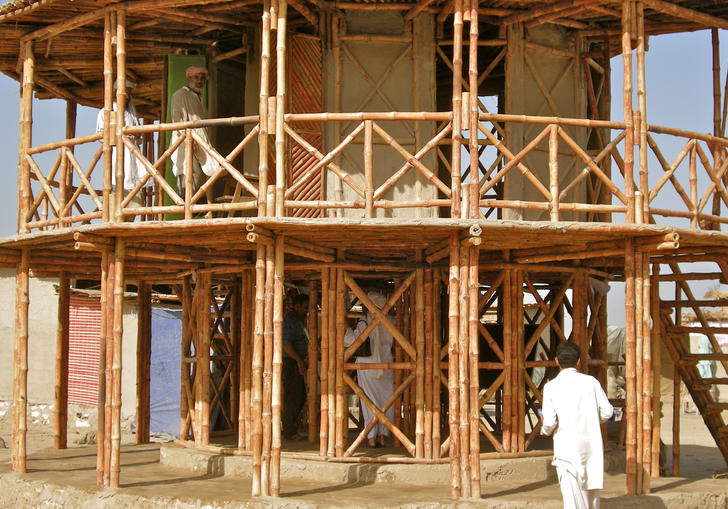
(679, 94)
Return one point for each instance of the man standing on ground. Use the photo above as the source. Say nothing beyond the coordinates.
(295, 354)
(574, 406)
(186, 105)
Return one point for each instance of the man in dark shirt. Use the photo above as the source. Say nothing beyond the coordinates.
(295, 353)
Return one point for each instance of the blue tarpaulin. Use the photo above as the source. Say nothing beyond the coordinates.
(164, 390)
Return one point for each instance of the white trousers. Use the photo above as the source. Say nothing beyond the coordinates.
(575, 497)
(379, 390)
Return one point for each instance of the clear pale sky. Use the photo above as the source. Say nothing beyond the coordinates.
(679, 94)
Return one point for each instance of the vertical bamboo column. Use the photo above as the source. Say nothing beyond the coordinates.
(436, 371)
(656, 341)
(263, 109)
(428, 361)
(473, 146)
(331, 375)
(630, 375)
(473, 333)
(202, 354)
(119, 254)
(60, 421)
(101, 391)
(554, 171)
(693, 178)
(265, 474)
(324, 416)
(144, 355)
(312, 373)
(342, 412)
(676, 422)
(453, 362)
(281, 155)
(508, 379)
(336, 53)
(638, 357)
(185, 422)
(717, 118)
(109, 346)
(108, 97)
(642, 104)
(162, 137)
(457, 76)
(646, 373)
(628, 120)
(518, 422)
(419, 315)
(277, 390)
(257, 371)
(579, 310)
(20, 364)
(237, 346)
(120, 108)
(26, 133)
(463, 377)
(368, 170)
(244, 363)
(399, 318)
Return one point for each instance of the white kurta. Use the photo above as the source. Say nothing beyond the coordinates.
(377, 384)
(186, 106)
(133, 169)
(574, 405)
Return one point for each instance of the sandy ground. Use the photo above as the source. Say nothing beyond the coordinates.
(67, 479)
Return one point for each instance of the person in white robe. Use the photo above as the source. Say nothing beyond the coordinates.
(574, 406)
(186, 106)
(377, 384)
(134, 170)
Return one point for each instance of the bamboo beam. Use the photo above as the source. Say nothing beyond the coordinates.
(143, 357)
(20, 365)
(692, 15)
(60, 410)
(118, 329)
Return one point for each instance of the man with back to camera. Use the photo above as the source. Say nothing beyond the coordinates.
(574, 406)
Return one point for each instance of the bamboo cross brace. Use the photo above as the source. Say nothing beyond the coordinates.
(153, 171)
(548, 317)
(338, 171)
(715, 179)
(487, 173)
(225, 164)
(515, 160)
(84, 180)
(376, 86)
(418, 157)
(491, 342)
(44, 184)
(496, 125)
(218, 393)
(380, 415)
(670, 170)
(351, 350)
(322, 160)
(79, 189)
(364, 432)
(429, 175)
(490, 292)
(39, 199)
(597, 160)
(493, 63)
(590, 163)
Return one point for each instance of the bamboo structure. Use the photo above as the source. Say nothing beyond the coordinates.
(490, 233)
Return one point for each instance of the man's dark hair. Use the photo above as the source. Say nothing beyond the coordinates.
(301, 298)
(568, 354)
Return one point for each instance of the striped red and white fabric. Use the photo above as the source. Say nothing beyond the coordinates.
(83, 350)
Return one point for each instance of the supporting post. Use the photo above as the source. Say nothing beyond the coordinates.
(463, 376)
(107, 215)
(342, 413)
(60, 422)
(257, 371)
(120, 109)
(457, 76)
(275, 461)
(20, 364)
(144, 356)
(202, 354)
(101, 392)
(263, 109)
(25, 134)
(630, 366)
(312, 373)
(119, 254)
(628, 118)
(419, 314)
(186, 421)
(642, 104)
(109, 346)
(265, 475)
(452, 372)
(281, 79)
(473, 333)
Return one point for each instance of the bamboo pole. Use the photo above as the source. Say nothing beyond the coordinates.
(419, 330)
(643, 213)
(676, 409)
(399, 320)
(630, 375)
(368, 170)
(263, 108)
(638, 359)
(554, 172)
(101, 390)
(280, 140)
(243, 361)
(20, 364)
(508, 383)
(331, 375)
(118, 331)
(257, 371)
(341, 406)
(463, 375)
(324, 416)
(627, 108)
(185, 420)
(144, 355)
(452, 372)
(25, 133)
(519, 369)
(656, 341)
(457, 72)
(120, 109)
(267, 415)
(109, 346)
(275, 462)
(647, 374)
(313, 347)
(60, 421)
(436, 372)
(473, 333)
(429, 365)
(202, 354)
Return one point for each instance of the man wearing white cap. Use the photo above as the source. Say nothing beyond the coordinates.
(133, 169)
(186, 105)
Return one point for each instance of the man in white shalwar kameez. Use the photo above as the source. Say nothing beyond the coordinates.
(377, 384)
(574, 406)
(186, 106)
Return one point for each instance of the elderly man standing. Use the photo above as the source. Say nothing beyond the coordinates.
(574, 406)
(186, 105)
